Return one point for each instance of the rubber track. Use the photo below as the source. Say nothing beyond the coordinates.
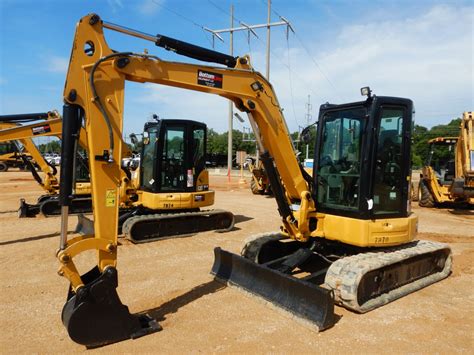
(253, 244)
(55, 208)
(345, 274)
(130, 222)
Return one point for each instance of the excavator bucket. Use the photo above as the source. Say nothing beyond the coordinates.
(95, 316)
(302, 299)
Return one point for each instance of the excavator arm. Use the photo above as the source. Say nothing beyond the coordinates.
(463, 184)
(94, 90)
(94, 96)
(18, 128)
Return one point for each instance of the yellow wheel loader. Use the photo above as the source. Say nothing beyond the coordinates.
(347, 233)
(259, 185)
(453, 180)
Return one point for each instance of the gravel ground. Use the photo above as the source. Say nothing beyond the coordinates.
(170, 279)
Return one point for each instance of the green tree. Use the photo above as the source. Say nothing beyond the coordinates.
(216, 143)
(421, 148)
(50, 147)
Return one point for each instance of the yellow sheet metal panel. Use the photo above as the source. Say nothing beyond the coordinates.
(366, 233)
(178, 200)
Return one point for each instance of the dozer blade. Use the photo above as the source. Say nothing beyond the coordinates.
(27, 210)
(302, 299)
(95, 316)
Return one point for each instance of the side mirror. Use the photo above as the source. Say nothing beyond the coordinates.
(133, 138)
(305, 135)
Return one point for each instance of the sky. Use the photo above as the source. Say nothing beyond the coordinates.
(422, 50)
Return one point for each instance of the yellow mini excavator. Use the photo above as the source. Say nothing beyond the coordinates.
(165, 198)
(22, 128)
(172, 186)
(13, 156)
(347, 233)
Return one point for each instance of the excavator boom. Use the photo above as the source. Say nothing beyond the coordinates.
(100, 104)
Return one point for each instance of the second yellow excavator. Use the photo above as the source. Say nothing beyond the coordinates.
(347, 233)
(172, 186)
(163, 200)
(22, 128)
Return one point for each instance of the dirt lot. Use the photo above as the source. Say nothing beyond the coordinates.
(171, 280)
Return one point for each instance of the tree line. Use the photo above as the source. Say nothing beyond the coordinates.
(421, 149)
(217, 142)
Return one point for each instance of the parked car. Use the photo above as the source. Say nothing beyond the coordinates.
(53, 158)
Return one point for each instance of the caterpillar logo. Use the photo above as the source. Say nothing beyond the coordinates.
(213, 80)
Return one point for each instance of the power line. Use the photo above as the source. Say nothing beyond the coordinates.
(271, 52)
(178, 14)
(221, 9)
(183, 17)
(286, 66)
(312, 59)
(318, 66)
(291, 84)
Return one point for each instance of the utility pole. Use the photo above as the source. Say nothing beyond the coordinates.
(231, 107)
(268, 39)
(309, 107)
(250, 29)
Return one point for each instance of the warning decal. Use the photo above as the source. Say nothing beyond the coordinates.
(41, 129)
(110, 198)
(206, 78)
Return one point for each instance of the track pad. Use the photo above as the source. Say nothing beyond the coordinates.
(95, 316)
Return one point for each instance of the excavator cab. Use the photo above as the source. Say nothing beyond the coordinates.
(173, 155)
(362, 158)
